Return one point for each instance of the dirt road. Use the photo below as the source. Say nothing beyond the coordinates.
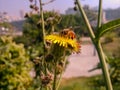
(80, 64)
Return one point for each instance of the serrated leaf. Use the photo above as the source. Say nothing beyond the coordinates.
(108, 27)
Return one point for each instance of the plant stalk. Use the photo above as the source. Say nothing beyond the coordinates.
(97, 44)
(43, 32)
(104, 67)
(43, 23)
(60, 78)
(99, 14)
(101, 53)
(55, 77)
(92, 35)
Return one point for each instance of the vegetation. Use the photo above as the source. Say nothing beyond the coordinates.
(45, 59)
(6, 25)
(85, 83)
(14, 65)
(95, 37)
(114, 57)
(48, 40)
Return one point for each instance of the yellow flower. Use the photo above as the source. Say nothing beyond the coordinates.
(64, 42)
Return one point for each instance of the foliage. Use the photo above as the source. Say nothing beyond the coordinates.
(73, 21)
(32, 36)
(85, 83)
(112, 25)
(45, 60)
(32, 32)
(6, 25)
(91, 13)
(109, 37)
(98, 83)
(14, 65)
(32, 28)
(115, 69)
(113, 59)
(51, 62)
(6, 28)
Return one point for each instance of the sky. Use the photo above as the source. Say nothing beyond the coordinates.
(13, 7)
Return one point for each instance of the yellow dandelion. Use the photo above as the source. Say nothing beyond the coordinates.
(64, 42)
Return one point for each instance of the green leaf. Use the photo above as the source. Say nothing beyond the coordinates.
(108, 27)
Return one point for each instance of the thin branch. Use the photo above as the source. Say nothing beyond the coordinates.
(99, 14)
(84, 16)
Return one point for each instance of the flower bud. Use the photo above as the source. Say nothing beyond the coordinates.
(31, 0)
(26, 15)
(36, 8)
(75, 8)
(49, 58)
(46, 80)
(32, 6)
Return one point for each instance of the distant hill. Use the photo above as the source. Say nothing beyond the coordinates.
(112, 13)
(18, 24)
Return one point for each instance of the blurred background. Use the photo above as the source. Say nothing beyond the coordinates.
(83, 71)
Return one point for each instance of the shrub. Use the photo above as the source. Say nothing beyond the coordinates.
(14, 65)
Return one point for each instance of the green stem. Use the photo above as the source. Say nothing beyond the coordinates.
(43, 32)
(104, 67)
(97, 44)
(55, 77)
(41, 87)
(101, 53)
(43, 24)
(92, 35)
(53, 28)
(60, 78)
(99, 14)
